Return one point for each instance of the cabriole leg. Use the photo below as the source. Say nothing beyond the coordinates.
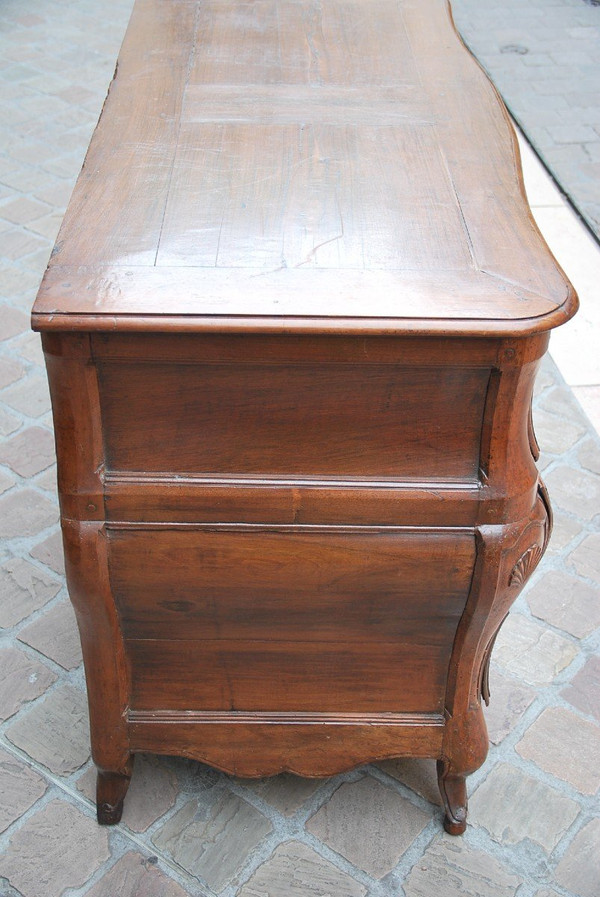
(453, 789)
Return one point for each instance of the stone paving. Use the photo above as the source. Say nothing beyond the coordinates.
(544, 57)
(188, 830)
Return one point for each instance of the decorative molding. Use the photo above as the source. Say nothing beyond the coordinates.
(525, 565)
(485, 666)
(533, 443)
(548, 524)
(485, 678)
(296, 718)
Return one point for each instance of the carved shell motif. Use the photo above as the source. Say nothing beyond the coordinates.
(525, 565)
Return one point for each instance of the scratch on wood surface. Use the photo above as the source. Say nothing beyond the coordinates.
(296, 503)
(316, 248)
(188, 74)
(460, 210)
(315, 27)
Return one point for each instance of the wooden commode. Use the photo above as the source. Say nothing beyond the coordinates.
(291, 324)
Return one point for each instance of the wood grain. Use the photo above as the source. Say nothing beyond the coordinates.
(347, 420)
(144, 498)
(314, 162)
(282, 675)
(264, 584)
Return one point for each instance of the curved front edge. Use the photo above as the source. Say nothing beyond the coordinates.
(506, 558)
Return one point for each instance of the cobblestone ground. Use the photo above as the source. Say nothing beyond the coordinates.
(544, 56)
(186, 829)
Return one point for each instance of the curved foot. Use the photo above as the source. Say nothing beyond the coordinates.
(453, 789)
(109, 814)
(111, 788)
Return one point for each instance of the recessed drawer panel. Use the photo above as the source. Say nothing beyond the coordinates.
(289, 619)
(339, 420)
(273, 676)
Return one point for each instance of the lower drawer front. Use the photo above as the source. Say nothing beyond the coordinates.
(289, 620)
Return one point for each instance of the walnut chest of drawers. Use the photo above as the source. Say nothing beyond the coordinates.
(291, 324)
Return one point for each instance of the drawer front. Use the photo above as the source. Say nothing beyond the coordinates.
(337, 420)
(289, 619)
